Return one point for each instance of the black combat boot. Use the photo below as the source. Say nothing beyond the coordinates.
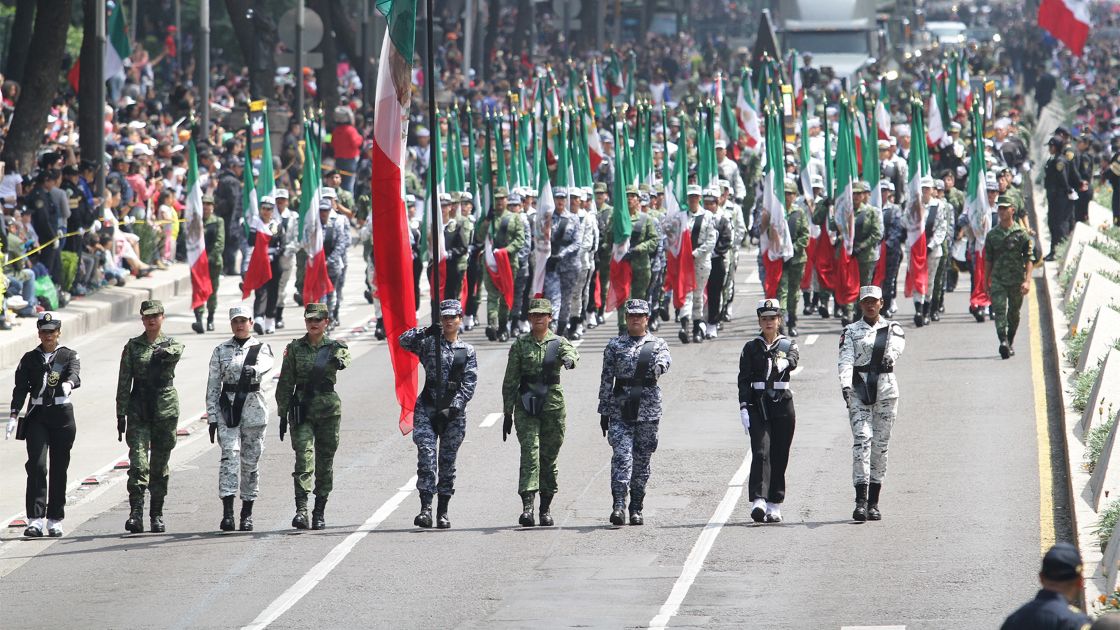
(491, 333)
(860, 513)
(300, 521)
(246, 516)
(636, 501)
(442, 522)
(135, 522)
(317, 519)
(424, 518)
(197, 325)
(379, 329)
(279, 318)
(806, 298)
(618, 517)
(210, 321)
(925, 314)
(935, 310)
(561, 329)
(845, 314)
(683, 334)
(873, 502)
(526, 518)
(155, 516)
(918, 320)
(822, 305)
(1004, 350)
(1011, 341)
(227, 514)
(573, 329)
(546, 509)
(697, 334)
(792, 324)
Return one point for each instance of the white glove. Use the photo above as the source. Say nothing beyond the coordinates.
(781, 364)
(1026, 167)
(1017, 179)
(11, 427)
(67, 387)
(1072, 196)
(745, 418)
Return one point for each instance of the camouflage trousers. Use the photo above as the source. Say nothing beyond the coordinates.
(149, 471)
(603, 269)
(871, 433)
(315, 442)
(241, 452)
(435, 454)
(940, 274)
(633, 444)
(933, 260)
(540, 438)
(1007, 302)
(789, 288)
(581, 295)
(639, 289)
(497, 313)
(215, 280)
(560, 287)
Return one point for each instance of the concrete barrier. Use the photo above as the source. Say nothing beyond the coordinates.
(1105, 393)
(1099, 292)
(1105, 482)
(1092, 260)
(1082, 234)
(1110, 565)
(1102, 336)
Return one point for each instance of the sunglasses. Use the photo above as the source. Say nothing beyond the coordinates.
(314, 320)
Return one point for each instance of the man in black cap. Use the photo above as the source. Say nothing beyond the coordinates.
(227, 205)
(1061, 584)
(1059, 195)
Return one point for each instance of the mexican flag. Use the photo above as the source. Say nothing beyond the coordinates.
(621, 228)
(937, 134)
(393, 253)
(728, 123)
(978, 211)
(680, 269)
(883, 112)
(1066, 20)
(201, 289)
(774, 244)
(260, 268)
(316, 283)
(117, 49)
(845, 271)
(917, 273)
(266, 182)
(546, 208)
(748, 114)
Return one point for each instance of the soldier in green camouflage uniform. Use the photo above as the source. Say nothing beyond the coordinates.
(540, 430)
(1008, 260)
(509, 234)
(794, 268)
(869, 233)
(214, 236)
(318, 414)
(148, 413)
(644, 240)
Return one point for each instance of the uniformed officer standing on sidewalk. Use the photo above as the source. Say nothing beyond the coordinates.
(630, 407)
(869, 348)
(45, 377)
(766, 410)
(238, 413)
(1008, 260)
(531, 391)
(148, 414)
(1052, 607)
(307, 403)
(441, 408)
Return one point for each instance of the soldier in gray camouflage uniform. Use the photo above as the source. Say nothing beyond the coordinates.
(238, 413)
(628, 418)
(440, 408)
(563, 268)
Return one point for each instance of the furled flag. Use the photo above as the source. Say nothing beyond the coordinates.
(979, 212)
(317, 282)
(748, 114)
(266, 180)
(259, 271)
(117, 49)
(883, 111)
(201, 289)
(680, 270)
(1067, 20)
(542, 249)
(845, 271)
(774, 243)
(917, 273)
(937, 134)
(393, 253)
(621, 228)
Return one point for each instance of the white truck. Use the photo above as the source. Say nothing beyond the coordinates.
(840, 34)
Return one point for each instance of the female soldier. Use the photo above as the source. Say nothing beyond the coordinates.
(766, 410)
(46, 376)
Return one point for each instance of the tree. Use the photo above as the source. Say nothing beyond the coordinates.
(40, 83)
(256, 37)
(523, 30)
(493, 19)
(90, 116)
(326, 78)
(20, 39)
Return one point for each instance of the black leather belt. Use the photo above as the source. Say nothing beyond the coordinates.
(233, 389)
(867, 368)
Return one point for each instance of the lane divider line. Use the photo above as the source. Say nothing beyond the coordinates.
(797, 370)
(811, 339)
(490, 420)
(319, 572)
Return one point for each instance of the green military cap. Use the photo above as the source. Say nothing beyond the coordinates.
(315, 310)
(208, 199)
(455, 197)
(500, 192)
(659, 188)
(643, 188)
(151, 307)
(861, 187)
(1005, 200)
(631, 189)
(540, 305)
(601, 187)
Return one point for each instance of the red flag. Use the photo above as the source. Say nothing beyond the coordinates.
(1067, 20)
(845, 278)
(260, 268)
(880, 267)
(74, 74)
(824, 260)
(979, 295)
(619, 289)
(501, 273)
(917, 274)
(810, 259)
(773, 275)
(680, 270)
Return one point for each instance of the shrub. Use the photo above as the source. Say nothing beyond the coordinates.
(1094, 444)
(1107, 522)
(1083, 387)
(1076, 345)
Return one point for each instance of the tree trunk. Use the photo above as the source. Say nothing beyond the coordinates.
(256, 39)
(523, 30)
(326, 78)
(493, 15)
(90, 112)
(348, 36)
(588, 34)
(40, 83)
(20, 39)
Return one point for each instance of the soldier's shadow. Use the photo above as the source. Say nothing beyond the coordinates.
(582, 529)
(141, 542)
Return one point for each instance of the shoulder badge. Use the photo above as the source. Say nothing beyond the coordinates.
(1060, 165)
(1069, 154)
(843, 334)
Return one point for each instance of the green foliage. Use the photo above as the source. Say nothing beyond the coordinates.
(69, 269)
(1076, 345)
(1072, 304)
(1065, 278)
(1107, 522)
(1109, 248)
(149, 237)
(1083, 387)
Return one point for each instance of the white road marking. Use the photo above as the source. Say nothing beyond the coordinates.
(311, 579)
(695, 561)
(797, 370)
(872, 627)
(811, 339)
(490, 420)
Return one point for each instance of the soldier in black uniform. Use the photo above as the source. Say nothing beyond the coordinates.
(227, 206)
(81, 209)
(45, 377)
(44, 219)
(1059, 195)
(1083, 167)
(1061, 584)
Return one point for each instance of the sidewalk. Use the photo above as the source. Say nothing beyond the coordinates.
(110, 304)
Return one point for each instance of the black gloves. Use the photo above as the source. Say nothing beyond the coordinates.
(603, 422)
(213, 431)
(569, 364)
(628, 255)
(550, 264)
(283, 427)
(507, 426)
(433, 331)
(847, 393)
(121, 426)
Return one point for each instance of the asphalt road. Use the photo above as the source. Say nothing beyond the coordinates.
(958, 545)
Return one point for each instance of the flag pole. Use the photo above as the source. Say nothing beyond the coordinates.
(433, 166)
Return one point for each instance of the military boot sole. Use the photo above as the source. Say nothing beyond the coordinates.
(300, 522)
(526, 520)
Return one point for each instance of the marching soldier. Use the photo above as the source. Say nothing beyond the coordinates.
(531, 391)
(238, 414)
(289, 243)
(441, 408)
(45, 377)
(630, 407)
(214, 235)
(589, 242)
(946, 224)
(509, 234)
(703, 232)
(766, 410)
(147, 414)
(643, 245)
(869, 232)
(603, 253)
(562, 269)
(307, 402)
(793, 269)
(869, 348)
(1008, 262)
(718, 273)
(894, 235)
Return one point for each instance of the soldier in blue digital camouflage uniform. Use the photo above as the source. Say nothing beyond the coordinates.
(441, 408)
(563, 266)
(630, 407)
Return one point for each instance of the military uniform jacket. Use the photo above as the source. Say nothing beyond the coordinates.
(703, 228)
(214, 235)
(868, 233)
(1008, 250)
(604, 219)
(418, 343)
(509, 233)
(289, 229)
(644, 241)
(526, 358)
(226, 363)
(37, 383)
(1057, 180)
(336, 239)
(734, 214)
(140, 390)
(620, 361)
(566, 241)
(1047, 611)
(798, 221)
(894, 227)
(857, 342)
(758, 371)
(589, 239)
(295, 371)
(936, 228)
